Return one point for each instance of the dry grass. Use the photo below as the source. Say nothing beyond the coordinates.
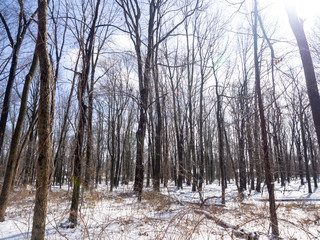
(159, 216)
(157, 201)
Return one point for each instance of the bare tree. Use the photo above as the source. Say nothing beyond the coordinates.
(87, 49)
(268, 164)
(132, 14)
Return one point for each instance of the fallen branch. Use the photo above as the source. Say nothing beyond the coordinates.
(237, 232)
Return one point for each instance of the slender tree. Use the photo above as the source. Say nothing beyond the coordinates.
(269, 179)
(82, 87)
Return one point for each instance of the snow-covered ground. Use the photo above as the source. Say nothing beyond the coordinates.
(173, 214)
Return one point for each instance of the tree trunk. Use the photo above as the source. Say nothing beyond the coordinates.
(158, 133)
(313, 158)
(220, 142)
(299, 155)
(256, 151)
(9, 175)
(305, 153)
(83, 81)
(267, 163)
(144, 81)
(22, 29)
(44, 119)
(311, 81)
(165, 143)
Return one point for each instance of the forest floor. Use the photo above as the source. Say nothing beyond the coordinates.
(171, 214)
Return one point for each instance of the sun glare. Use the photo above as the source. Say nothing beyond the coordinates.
(307, 9)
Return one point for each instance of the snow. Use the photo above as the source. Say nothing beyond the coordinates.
(171, 214)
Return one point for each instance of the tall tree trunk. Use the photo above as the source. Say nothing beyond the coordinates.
(144, 81)
(257, 148)
(250, 151)
(165, 143)
(299, 155)
(158, 133)
(83, 81)
(277, 112)
(201, 160)
(190, 73)
(44, 119)
(313, 158)
(267, 163)
(242, 162)
(220, 142)
(9, 175)
(89, 170)
(305, 152)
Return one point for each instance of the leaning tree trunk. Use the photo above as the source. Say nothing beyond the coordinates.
(311, 81)
(44, 118)
(21, 32)
(9, 175)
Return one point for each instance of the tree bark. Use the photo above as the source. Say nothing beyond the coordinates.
(44, 119)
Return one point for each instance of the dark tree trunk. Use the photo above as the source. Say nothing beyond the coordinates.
(250, 152)
(158, 133)
(305, 153)
(233, 163)
(27, 175)
(256, 152)
(201, 159)
(192, 156)
(144, 81)
(165, 146)
(220, 142)
(311, 81)
(299, 154)
(89, 170)
(267, 162)
(242, 163)
(22, 29)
